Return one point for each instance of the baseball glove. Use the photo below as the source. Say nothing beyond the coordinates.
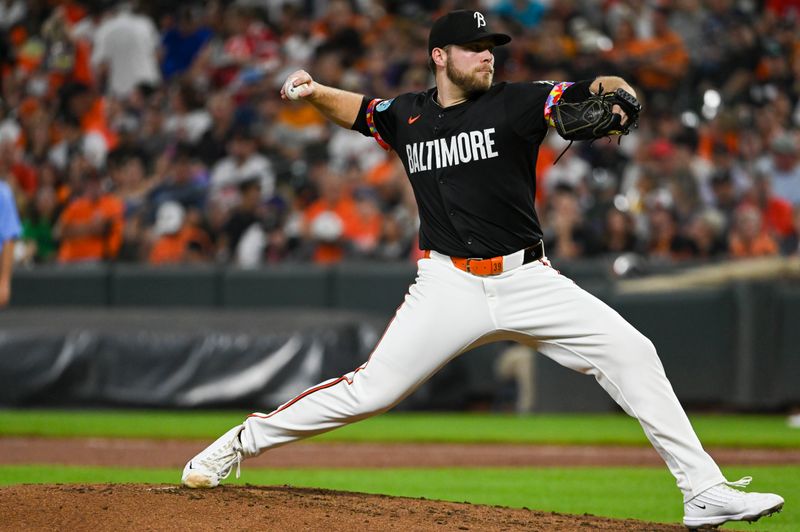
(592, 118)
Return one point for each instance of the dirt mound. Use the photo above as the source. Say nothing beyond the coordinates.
(152, 507)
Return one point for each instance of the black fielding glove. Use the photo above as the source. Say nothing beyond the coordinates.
(592, 118)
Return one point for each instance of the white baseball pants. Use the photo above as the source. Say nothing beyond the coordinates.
(447, 311)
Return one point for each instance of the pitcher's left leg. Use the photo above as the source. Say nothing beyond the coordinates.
(581, 332)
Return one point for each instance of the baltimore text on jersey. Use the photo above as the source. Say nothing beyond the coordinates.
(441, 153)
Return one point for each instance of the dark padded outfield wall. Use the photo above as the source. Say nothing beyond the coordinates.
(70, 333)
(173, 358)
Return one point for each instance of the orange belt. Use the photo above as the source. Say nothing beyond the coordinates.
(493, 265)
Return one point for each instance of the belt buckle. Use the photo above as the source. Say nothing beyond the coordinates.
(495, 266)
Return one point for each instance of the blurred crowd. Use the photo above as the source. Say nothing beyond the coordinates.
(153, 132)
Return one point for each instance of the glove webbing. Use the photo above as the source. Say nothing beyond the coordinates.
(619, 138)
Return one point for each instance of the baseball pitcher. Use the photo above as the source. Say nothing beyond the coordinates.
(469, 147)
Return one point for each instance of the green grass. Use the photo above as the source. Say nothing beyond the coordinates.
(604, 429)
(640, 493)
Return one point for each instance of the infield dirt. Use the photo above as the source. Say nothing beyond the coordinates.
(120, 452)
(282, 508)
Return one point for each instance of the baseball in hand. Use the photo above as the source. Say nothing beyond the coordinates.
(292, 92)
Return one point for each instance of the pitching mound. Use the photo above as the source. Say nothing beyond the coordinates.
(151, 507)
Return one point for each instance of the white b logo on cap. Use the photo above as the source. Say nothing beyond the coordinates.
(480, 19)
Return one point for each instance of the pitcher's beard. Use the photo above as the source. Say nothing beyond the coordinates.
(471, 83)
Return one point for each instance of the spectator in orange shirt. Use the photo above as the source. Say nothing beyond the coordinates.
(748, 237)
(363, 232)
(776, 211)
(13, 164)
(666, 241)
(665, 61)
(82, 104)
(340, 31)
(658, 63)
(170, 246)
(325, 220)
(90, 228)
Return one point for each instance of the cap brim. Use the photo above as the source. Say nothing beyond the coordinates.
(499, 39)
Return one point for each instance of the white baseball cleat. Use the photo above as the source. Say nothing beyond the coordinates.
(215, 462)
(722, 503)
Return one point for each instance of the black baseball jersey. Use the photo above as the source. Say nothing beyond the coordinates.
(471, 165)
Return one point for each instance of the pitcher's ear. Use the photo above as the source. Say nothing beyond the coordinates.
(439, 56)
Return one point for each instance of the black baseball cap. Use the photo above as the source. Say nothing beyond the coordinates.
(461, 27)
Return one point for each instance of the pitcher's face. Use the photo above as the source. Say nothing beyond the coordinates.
(470, 66)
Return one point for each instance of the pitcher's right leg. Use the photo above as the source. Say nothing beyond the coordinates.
(444, 312)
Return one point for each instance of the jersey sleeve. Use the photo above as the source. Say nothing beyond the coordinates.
(10, 227)
(377, 118)
(532, 103)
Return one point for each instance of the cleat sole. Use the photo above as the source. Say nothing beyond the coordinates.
(198, 481)
(724, 519)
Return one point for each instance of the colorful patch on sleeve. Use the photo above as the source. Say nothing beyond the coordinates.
(371, 121)
(553, 98)
(384, 105)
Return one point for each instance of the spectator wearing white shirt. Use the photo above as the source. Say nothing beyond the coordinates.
(242, 163)
(347, 146)
(11, 12)
(190, 120)
(127, 45)
(73, 141)
(784, 169)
